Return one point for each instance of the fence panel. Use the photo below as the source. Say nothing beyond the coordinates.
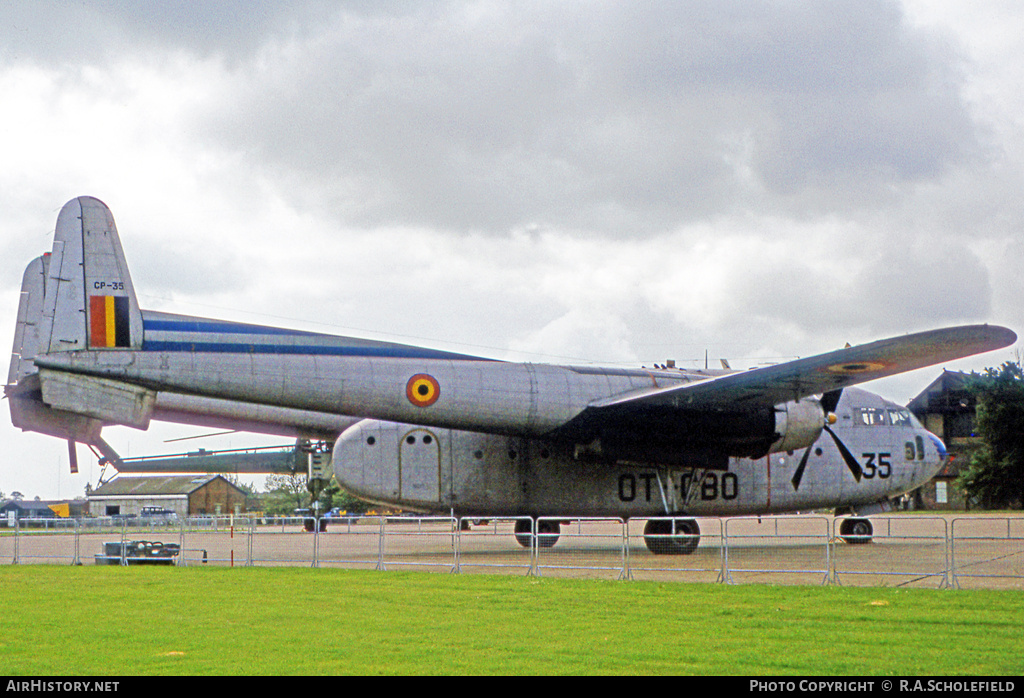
(908, 550)
(45, 541)
(489, 545)
(586, 547)
(351, 541)
(425, 541)
(216, 540)
(286, 541)
(704, 563)
(777, 549)
(125, 541)
(987, 552)
(8, 542)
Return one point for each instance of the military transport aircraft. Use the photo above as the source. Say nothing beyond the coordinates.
(435, 431)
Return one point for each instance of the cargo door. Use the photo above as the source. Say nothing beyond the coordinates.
(419, 467)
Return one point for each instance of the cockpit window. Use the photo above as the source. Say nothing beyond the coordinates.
(900, 418)
(870, 416)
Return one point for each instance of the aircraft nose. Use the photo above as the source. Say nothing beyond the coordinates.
(939, 446)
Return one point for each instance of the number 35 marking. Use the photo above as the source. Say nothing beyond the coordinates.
(877, 464)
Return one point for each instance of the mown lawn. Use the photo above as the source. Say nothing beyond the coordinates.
(135, 621)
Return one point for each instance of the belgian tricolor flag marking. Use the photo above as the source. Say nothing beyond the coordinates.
(108, 322)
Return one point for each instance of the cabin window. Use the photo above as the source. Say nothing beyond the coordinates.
(870, 416)
(900, 418)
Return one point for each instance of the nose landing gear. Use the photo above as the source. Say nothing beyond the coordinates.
(855, 531)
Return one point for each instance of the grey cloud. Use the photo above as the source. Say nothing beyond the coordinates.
(54, 32)
(606, 118)
(614, 117)
(928, 284)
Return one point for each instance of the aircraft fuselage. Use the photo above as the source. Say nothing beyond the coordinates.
(442, 470)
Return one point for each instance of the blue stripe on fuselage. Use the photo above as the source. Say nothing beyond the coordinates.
(196, 335)
(216, 327)
(397, 352)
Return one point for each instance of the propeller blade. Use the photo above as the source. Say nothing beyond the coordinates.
(830, 400)
(851, 462)
(73, 456)
(799, 474)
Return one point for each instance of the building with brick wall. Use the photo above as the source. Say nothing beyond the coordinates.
(185, 495)
(947, 409)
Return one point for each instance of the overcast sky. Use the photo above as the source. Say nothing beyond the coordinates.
(593, 182)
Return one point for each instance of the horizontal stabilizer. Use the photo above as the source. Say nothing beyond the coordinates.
(110, 401)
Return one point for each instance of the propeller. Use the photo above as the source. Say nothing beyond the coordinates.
(829, 401)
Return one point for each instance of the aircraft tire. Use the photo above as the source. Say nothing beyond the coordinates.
(661, 539)
(524, 532)
(547, 533)
(856, 531)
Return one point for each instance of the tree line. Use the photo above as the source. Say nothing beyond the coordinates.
(994, 478)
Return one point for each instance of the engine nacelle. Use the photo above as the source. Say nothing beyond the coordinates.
(798, 424)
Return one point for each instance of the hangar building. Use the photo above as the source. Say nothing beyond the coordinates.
(185, 495)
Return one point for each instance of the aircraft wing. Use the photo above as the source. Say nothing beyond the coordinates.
(814, 375)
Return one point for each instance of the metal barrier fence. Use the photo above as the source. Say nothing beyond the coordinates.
(980, 555)
(903, 550)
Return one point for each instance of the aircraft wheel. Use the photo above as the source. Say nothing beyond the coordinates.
(672, 537)
(856, 531)
(524, 532)
(547, 533)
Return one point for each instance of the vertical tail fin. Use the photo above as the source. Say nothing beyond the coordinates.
(89, 298)
(78, 297)
(30, 313)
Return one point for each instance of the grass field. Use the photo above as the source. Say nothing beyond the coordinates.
(135, 621)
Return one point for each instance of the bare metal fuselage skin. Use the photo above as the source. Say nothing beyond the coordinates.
(440, 431)
(475, 473)
(498, 461)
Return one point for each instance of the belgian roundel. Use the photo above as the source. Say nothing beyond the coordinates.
(422, 390)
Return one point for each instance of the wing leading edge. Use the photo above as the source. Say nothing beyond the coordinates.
(814, 375)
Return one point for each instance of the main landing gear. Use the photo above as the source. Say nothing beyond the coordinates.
(547, 532)
(661, 536)
(672, 536)
(855, 531)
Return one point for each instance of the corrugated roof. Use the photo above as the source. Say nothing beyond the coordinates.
(152, 485)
